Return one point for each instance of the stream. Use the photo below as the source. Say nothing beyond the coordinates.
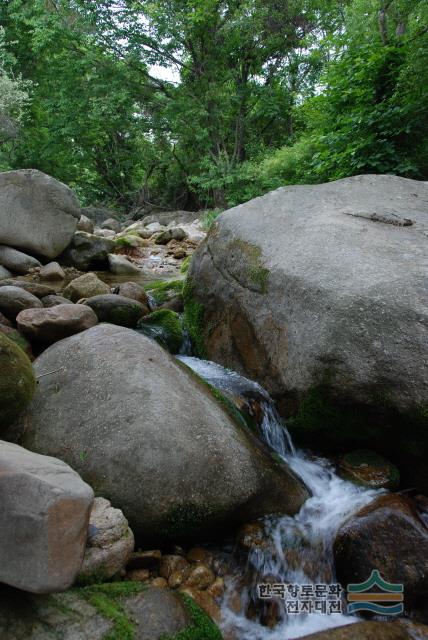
(295, 550)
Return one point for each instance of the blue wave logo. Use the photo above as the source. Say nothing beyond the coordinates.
(387, 600)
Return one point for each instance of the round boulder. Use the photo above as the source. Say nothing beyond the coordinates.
(49, 325)
(117, 309)
(389, 536)
(85, 286)
(146, 434)
(13, 300)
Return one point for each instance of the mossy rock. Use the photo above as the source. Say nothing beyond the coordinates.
(163, 290)
(17, 381)
(194, 319)
(165, 327)
(185, 265)
(369, 469)
(111, 611)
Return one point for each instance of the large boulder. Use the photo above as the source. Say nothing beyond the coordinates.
(88, 251)
(121, 266)
(387, 535)
(17, 381)
(48, 325)
(44, 517)
(149, 436)
(99, 214)
(319, 293)
(39, 213)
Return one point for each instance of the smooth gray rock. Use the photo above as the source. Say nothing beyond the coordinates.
(98, 214)
(4, 273)
(85, 286)
(120, 265)
(326, 285)
(13, 300)
(150, 437)
(44, 515)
(88, 251)
(52, 271)
(53, 300)
(152, 613)
(39, 214)
(36, 289)
(109, 546)
(117, 309)
(16, 261)
(85, 224)
(47, 325)
(112, 224)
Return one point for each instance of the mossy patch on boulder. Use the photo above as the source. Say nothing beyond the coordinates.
(165, 327)
(201, 626)
(194, 319)
(163, 290)
(17, 381)
(369, 469)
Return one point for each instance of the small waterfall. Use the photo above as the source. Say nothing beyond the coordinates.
(296, 550)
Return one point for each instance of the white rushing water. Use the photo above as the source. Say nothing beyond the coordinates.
(298, 550)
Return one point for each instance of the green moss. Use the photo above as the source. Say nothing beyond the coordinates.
(164, 325)
(124, 241)
(106, 599)
(163, 290)
(194, 319)
(251, 271)
(201, 626)
(185, 265)
(17, 381)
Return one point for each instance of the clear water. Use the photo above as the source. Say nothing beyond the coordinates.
(298, 549)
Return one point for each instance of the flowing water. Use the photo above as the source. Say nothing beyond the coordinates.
(296, 550)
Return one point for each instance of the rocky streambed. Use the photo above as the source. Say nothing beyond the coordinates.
(151, 493)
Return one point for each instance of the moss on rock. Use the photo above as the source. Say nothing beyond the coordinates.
(164, 325)
(194, 319)
(17, 381)
(162, 290)
(201, 626)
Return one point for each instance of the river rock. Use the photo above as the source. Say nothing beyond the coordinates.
(16, 261)
(85, 224)
(85, 286)
(52, 271)
(394, 630)
(53, 300)
(39, 214)
(112, 224)
(133, 291)
(88, 251)
(36, 289)
(13, 300)
(4, 273)
(387, 535)
(17, 381)
(117, 309)
(98, 214)
(44, 518)
(369, 469)
(117, 610)
(127, 415)
(121, 265)
(109, 546)
(48, 325)
(319, 293)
